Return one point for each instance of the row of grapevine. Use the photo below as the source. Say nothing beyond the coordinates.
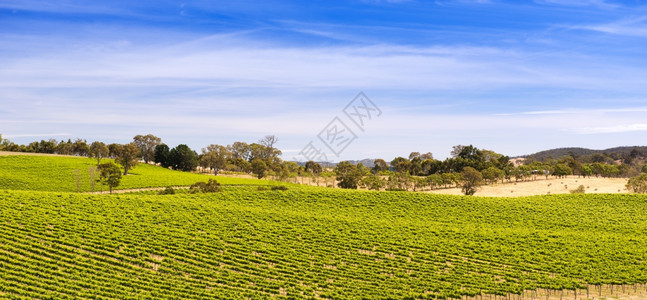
(308, 243)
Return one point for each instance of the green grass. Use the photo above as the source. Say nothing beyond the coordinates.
(244, 243)
(56, 173)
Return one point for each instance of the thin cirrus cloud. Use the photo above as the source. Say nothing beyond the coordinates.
(637, 127)
(239, 63)
(30, 135)
(239, 77)
(62, 6)
(595, 3)
(636, 26)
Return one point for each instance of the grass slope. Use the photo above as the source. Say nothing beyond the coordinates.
(56, 173)
(244, 243)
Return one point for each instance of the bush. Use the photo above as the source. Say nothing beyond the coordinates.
(638, 184)
(261, 188)
(579, 190)
(279, 188)
(167, 191)
(212, 186)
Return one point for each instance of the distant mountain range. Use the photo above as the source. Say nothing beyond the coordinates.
(367, 162)
(559, 152)
(542, 155)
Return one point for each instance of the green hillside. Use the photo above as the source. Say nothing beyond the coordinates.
(56, 173)
(244, 243)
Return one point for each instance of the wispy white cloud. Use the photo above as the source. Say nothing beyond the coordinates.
(623, 128)
(635, 26)
(579, 111)
(44, 135)
(446, 2)
(63, 6)
(231, 63)
(219, 88)
(594, 3)
(385, 1)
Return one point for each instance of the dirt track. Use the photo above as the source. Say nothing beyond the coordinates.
(136, 190)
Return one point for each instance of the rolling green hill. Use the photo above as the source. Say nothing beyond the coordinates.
(244, 243)
(56, 173)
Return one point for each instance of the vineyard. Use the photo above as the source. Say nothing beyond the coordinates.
(309, 243)
(47, 173)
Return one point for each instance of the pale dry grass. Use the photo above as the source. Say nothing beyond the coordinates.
(7, 153)
(543, 186)
(623, 292)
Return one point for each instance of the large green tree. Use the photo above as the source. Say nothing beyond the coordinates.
(562, 170)
(98, 150)
(110, 174)
(81, 148)
(162, 154)
(373, 182)
(259, 168)
(269, 151)
(128, 156)
(471, 180)
(401, 164)
(348, 175)
(183, 158)
(379, 165)
(492, 174)
(146, 145)
(313, 168)
(214, 157)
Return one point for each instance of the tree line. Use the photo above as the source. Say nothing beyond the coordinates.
(469, 167)
(261, 158)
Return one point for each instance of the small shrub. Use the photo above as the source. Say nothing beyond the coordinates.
(261, 188)
(212, 186)
(167, 191)
(579, 190)
(279, 188)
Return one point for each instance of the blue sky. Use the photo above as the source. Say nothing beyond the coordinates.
(512, 76)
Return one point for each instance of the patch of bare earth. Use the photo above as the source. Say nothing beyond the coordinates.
(621, 292)
(543, 186)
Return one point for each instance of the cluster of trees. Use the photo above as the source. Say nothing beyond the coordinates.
(78, 147)
(624, 165)
(262, 158)
(353, 176)
(128, 155)
(470, 167)
(179, 158)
